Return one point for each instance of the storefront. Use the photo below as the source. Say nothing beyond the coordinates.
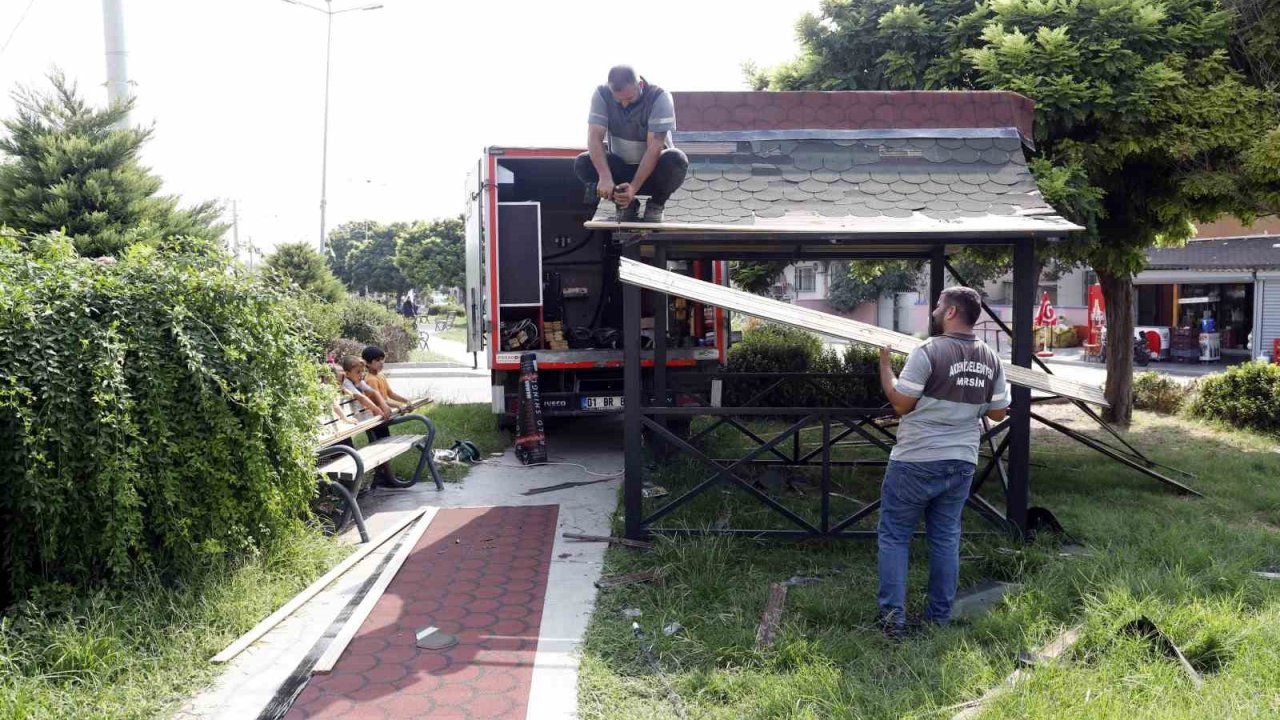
(1223, 287)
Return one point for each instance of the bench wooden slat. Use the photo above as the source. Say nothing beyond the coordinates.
(334, 431)
(374, 454)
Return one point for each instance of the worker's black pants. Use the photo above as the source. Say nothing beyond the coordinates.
(666, 178)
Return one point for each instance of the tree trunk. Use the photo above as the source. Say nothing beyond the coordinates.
(1117, 293)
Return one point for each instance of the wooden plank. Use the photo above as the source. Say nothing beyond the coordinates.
(614, 540)
(374, 454)
(270, 621)
(414, 404)
(1049, 653)
(339, 644)
(771, 620)
(637, 273)
(346, 432)
(630, 578)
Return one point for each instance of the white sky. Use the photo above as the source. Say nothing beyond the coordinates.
(235, 88)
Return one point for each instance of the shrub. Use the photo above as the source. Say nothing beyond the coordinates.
(1158, 393)
(154, 412)
(444, 308)
(1245, 396)
(395, 341)
(354, 323)
(767, 348)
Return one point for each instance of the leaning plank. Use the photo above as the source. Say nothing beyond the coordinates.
(613, 540)
(630, 578)
(339, 644)
(312, 590)
(1055, 649)
(637, 273)
(772, 617)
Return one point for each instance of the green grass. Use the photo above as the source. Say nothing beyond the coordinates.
(1185, 563)
(140, 652)
(472, 422)
(457, 333)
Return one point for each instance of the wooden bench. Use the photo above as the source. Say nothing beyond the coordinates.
(344, 468)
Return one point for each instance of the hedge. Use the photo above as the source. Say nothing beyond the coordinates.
(1245, 396)
(773, 348)
(154, 412)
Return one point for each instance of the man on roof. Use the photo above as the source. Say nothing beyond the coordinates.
(629, 147)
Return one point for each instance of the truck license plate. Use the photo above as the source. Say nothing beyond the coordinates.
(608, 402)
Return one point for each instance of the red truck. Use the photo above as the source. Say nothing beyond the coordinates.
(538, 281)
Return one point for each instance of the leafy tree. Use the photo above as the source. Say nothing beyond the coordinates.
(72, 168)
(339, 244)
(371, 262)
(1255, 41)
(756, 277)
(854, 283)
(1143, 125)
(301, 265)
(433, 254)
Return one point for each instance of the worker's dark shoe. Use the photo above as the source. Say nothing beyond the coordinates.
(894, 625)
(653, 212)
(630, 213)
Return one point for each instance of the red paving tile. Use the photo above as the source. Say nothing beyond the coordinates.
(477, 573)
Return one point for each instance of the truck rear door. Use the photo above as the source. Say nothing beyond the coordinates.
(477, 292)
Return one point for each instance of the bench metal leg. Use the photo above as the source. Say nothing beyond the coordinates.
(427, 459)
(353, 506)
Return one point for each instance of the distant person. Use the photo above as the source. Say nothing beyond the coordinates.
(636, 119)
(949, 383)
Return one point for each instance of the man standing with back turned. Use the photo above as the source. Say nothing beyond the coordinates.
(947, 385)
(637, 119)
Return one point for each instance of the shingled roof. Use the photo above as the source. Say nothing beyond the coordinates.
(882, 161)
(1239, 253)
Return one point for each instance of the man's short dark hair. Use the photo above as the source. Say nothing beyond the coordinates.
(966, 301)
(371, 353)
(621, 76)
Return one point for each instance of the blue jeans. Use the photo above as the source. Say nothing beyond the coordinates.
(938, 491)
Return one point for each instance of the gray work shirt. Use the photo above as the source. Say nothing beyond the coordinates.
(628, 128)
(957, 379)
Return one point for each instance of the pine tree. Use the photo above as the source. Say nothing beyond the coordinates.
(74, 168)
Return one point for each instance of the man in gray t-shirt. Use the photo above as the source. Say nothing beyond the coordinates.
(948, 384)
(635, 118)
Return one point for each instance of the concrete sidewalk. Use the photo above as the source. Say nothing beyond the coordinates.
(251, 680)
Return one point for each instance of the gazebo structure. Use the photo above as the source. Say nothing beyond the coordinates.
(836, 176)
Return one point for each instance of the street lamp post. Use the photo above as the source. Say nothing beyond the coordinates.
(329, 12)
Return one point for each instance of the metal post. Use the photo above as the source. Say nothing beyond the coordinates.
(1025, 275)
(660, 321)
(633, 500)
(937, 263)
(324, 153)
(118, 91)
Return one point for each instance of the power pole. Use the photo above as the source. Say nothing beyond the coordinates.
(235, 229)
(118, 90)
